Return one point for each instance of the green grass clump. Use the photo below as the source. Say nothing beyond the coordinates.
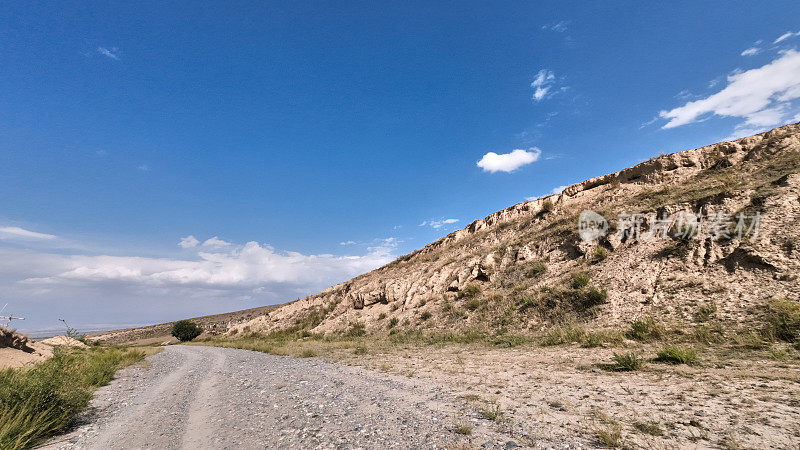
(650, 428)
(426, 315)
(535, 269)
(580, 280)
(470, 291)
(626, 362)
(567, 334)
(676, 355)
(599, 338)
(473, 304)
(783, 320)
(41, 401)
(646, 329)
(599, 254)
(393, 322)
(357, 329)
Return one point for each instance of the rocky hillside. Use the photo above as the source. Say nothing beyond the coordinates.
(709, 232)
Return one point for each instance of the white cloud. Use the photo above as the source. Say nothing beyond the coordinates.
(751, 51)
(786, 35)
(112, 52)
(436, 224)
(508, 162)
(347, 243)
(189, 242)
(17, 233)
(216, 242)
(542, 84)
(558, 27)
(762, 97)
(249, 266)
(144, 168)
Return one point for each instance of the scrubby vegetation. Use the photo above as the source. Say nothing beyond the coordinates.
(43, 400)
(186, 330)
(676, 355)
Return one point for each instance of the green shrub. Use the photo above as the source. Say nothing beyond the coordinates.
(592, 297)
(598, 338)
(357, 329)
(580, 280)
(548, 206)
(535, 269)
(381, 316)
(308, 353)
(360, 350)
(186, 330)
(676, 355)
(783, 319)
(426, 315)
(599, 254)
(470, 291)
(473, 304)
(393, 322)
(645, 329)
(627, 362)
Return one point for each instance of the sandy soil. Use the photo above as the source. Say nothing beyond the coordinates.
(559, 392)
(43, 350)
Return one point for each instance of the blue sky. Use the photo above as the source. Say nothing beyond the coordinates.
(167, 160)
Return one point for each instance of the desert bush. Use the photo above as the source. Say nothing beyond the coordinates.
(548, 206)
(425, 315)
(186, 330)
(645, 330)
(535, 269)
(472, 304)
(650, 428)
(580, 280)
(598, 338)
(43, 400)
(626, 362)
(592, 297)
(360, 350)
(470, 291)
(527, 301)
(705, 312)
(676, 355)
(393, 322)
(462, 428)
(567, 334)
(708, 335)
(599, 254)
(357, 329)
(783, 320)
(381, 316)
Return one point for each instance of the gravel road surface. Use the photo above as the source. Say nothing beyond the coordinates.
(195, 397)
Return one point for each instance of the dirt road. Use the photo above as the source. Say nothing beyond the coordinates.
(195, 397)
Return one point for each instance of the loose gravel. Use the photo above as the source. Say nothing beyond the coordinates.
(195, 397)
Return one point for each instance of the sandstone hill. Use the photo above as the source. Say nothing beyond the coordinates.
(692, 253)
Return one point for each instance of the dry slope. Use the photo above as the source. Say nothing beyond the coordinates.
(526, 266)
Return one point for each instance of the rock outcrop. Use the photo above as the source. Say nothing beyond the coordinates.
(715, 226)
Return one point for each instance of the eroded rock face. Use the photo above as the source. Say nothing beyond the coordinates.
(533, 246)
